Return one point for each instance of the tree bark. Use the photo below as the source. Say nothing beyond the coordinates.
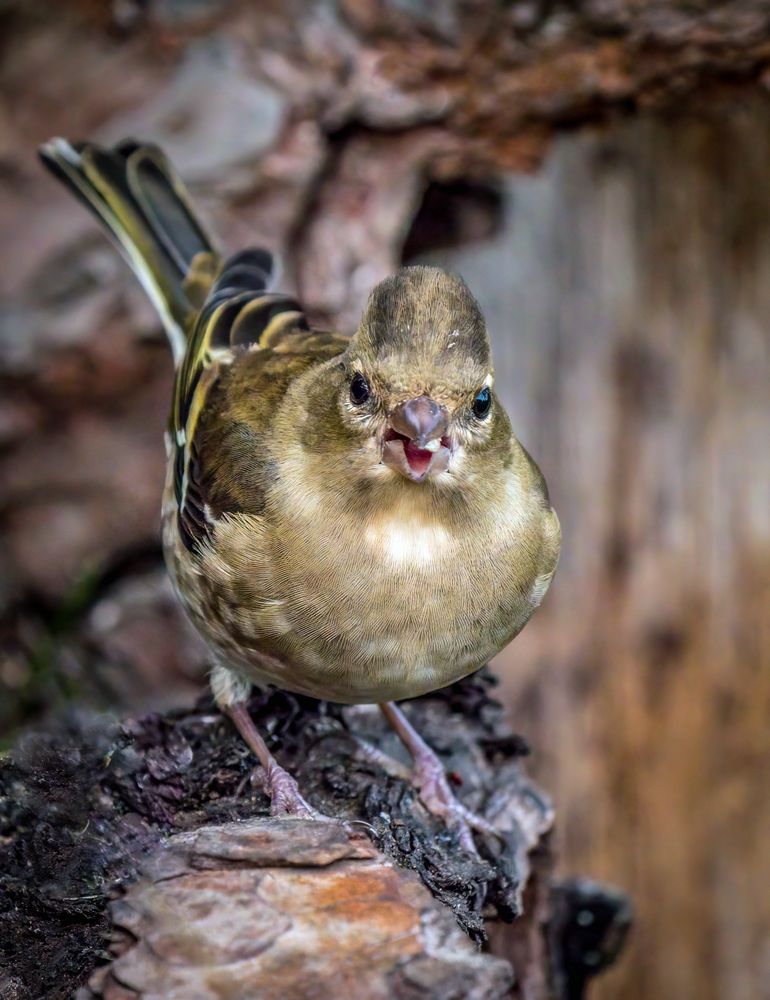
(287, 908)
(211, 898)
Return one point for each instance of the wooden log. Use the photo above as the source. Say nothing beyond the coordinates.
(276, 908)
(156, 837)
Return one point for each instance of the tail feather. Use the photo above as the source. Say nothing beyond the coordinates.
(138, 198)
(164, 201)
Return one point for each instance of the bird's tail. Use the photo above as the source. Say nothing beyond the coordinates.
(138, 197)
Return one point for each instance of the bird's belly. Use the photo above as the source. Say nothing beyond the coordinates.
(388, 616)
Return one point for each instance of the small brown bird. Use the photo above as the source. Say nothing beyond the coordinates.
(346, 518)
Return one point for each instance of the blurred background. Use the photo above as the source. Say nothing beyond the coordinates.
(597, 171)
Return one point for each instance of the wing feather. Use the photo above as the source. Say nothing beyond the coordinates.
(240, 314)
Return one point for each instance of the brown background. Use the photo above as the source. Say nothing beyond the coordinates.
(624, 267)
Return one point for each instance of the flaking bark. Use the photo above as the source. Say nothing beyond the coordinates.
(96, 820)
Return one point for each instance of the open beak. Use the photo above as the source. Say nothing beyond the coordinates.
(416, 442)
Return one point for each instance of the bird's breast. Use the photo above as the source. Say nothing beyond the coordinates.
(391, 604)
(404, 543)
(361, 605)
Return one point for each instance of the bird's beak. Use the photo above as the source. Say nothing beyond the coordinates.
(416, 442)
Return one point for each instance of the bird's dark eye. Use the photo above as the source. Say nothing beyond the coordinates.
(359, 389)
(482, 404)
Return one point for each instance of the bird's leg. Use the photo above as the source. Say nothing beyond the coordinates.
(285, 796)
(431, 780)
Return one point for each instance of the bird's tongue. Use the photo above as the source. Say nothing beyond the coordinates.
(418, 458)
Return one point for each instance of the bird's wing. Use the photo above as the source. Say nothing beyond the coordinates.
(263, 336)
(217, 316)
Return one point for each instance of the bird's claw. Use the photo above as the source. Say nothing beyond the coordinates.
(440, 800)
(286, 798)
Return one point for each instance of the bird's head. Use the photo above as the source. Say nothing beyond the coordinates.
(416, 387)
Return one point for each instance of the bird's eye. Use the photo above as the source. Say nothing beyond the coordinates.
(359, 389)
(482, 404)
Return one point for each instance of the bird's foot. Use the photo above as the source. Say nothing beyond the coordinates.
(285, 796)
(281, 788)
(432, 783)
(430, 780)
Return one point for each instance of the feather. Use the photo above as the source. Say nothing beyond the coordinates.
(143, 205)
(237, 315)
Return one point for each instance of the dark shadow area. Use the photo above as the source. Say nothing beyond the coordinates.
(455, 214)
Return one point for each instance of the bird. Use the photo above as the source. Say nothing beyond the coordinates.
(347, 517)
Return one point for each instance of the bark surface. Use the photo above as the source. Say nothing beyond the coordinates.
(154, 837)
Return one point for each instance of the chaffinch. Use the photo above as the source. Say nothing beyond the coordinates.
(349, 518)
